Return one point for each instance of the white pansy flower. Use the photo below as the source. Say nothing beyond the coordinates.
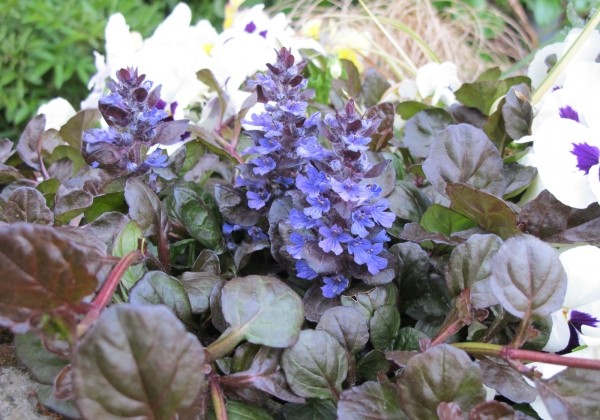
(248, 44)
(546, 57)
(170, 57)
(57, 111)
(579, 318)
(566, 134)
(438, 80)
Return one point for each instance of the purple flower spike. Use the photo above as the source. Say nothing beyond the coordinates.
(366, 252)
(314, 183)
(295, 249)
(334, 285)
(263, 165)
(304, 271)
(587, 156)
(360, 221)
(319, 205)
(333, 238)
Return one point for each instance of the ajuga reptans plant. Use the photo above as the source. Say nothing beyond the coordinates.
(338, 220)
(137, 120)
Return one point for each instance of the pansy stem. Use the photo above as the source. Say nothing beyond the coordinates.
(508, 353)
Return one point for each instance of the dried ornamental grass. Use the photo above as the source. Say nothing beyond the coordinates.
(404, 34)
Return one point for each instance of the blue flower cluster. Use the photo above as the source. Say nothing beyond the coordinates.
(283, 137)
(137, 120)
(343, 213)
(338, 220)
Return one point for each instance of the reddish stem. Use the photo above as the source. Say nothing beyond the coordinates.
(551, 358)
(107, 290)
(217, 397)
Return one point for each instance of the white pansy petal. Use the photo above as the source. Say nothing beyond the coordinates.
(590, 49)
(180, 18)
(559, 335)
(582, 265)
(539, 67)
(594, 181)
(58, 111)
(557, 166)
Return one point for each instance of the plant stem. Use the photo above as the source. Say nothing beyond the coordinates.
(522, 332)
(498, 324)
(224, 344)
(163, 249)
(107, 290)
(508, 353)
(216, 395)
(548, 82)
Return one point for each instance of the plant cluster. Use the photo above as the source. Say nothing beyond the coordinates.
(308, 260)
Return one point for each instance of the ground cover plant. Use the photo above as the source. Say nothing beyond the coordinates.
(309, 245)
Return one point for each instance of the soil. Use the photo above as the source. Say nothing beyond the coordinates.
(18, 391)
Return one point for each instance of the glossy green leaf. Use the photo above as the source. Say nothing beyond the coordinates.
(347, 326)
(137, 361)
(409, 109)
(528, 278)
(464, 154)
(415, 233)
(237, 410)
(488, 211)
(315, 366)
(408, 339)
(440, 219)
(371, 365)
(311, 410)
(104, 203)
(482, 95)
(158, 288)
(263, 309)
(442, 373)
(371, 400)
(197, 212)
(384, 327)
